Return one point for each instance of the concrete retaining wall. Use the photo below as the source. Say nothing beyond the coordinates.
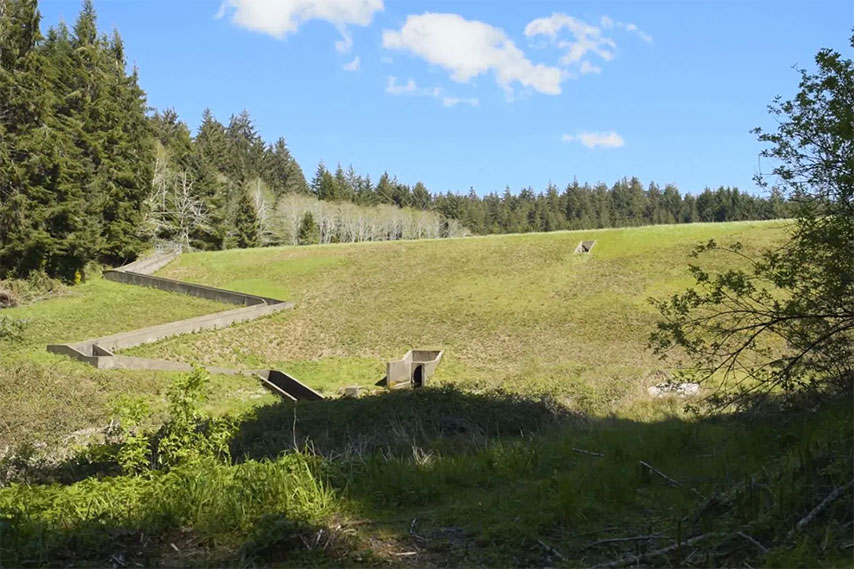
(151, 264)
(98, 352)
(190, 289)
(124, 340)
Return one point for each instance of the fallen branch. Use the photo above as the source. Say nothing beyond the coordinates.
(589, 452)
(671, 481)
(624, 539)
(551, 550)
(758, 545)
(634, 559)
(829, 499)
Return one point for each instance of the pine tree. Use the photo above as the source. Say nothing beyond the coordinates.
(309, 232)
(282, 172)
(385, 190)
(247, 230)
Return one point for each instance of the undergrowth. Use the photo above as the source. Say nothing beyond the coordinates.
(453, 478)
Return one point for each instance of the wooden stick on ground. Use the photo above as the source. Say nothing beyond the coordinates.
(634, 559)
(551, 550)
(591, 453)
(758, 545)
(829, 499)
(624, 539)
(671, 481)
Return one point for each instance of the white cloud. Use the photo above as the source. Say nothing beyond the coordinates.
(279, 18)
(453, 101)
(609, 139)
(352, 66)
(608, 23)
(411, 88)
(587, 38)
(346, 42)
(587, 67)
(469, 48)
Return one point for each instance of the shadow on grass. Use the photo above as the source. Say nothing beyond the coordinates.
(449, 478)
(441, 419)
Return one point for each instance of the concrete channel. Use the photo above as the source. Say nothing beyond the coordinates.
(99, 352)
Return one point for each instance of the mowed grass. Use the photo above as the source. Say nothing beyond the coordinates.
(521, 311)
(46, 398)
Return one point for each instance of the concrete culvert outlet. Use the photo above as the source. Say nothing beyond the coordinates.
(585, 247)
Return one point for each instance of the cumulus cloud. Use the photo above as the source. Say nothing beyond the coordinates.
(469, 48)
(608, 23)
(279, 18)
(609, 139)
(352, 66)
(411, 88)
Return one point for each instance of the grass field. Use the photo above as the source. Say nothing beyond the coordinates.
(520, 311)
(546, 362)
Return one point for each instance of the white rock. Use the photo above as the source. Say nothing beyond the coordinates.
(678, 389)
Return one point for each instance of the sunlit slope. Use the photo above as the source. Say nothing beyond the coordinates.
(519, 311)
(46, 397)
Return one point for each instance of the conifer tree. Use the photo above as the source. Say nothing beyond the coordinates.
(309, 233)
(247, 230)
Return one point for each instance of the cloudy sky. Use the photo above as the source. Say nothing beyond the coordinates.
(485, 94)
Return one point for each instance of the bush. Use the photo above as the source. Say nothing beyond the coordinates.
(12, 329)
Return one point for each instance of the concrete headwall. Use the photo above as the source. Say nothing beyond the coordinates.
(190, 289)
(292, 386)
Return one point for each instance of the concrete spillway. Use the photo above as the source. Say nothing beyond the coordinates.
(98, 352)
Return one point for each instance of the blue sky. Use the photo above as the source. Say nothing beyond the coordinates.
(485, 94)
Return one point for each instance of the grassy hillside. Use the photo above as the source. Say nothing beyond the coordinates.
(48, 398)
(540, 447)
(519, 311)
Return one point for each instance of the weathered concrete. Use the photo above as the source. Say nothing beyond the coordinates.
(98, 352)
(585, 247)
(290, 385)
(151, 264)
(190, 289)
(124, 340)
(413, 370)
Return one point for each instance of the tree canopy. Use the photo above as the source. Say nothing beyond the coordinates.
(786, 323)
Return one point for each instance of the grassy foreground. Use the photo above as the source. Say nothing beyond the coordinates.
(538, 446)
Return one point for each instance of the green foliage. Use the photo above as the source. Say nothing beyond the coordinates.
(134, 453)
(77, 154)
(12, 329)
(186, 438)
(309, 233)
(787, 321)
(246, 227)
(217, 502)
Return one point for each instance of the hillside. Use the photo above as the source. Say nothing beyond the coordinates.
(519, 311)
(538, 444)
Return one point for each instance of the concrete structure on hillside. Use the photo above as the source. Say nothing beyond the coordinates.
(584, 247)
(98, 352)
(413, 370)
